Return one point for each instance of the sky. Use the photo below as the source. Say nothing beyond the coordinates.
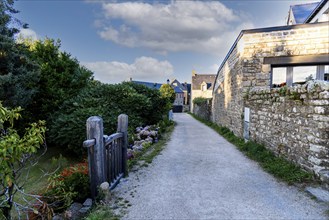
(148, 40)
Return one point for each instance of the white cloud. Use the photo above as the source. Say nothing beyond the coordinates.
(201, 26)
(144, 68)
(27, 33)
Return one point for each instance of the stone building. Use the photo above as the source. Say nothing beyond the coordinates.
(272, 88)
(201, 86)
(182, 92)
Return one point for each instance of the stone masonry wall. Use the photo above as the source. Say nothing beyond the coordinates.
(310, 39)
(227, 106)
(203, 110)
(293, 122)
(295, 125)
(245, 69)
(199, 93)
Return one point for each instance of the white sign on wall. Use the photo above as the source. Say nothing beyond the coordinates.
(247, 114)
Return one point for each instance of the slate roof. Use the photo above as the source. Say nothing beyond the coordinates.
(303, 11)
(150, 85)
(316, 10)
(178, 90)
(198, 79)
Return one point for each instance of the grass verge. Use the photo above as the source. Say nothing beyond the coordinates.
(101, 212)
(277, 166)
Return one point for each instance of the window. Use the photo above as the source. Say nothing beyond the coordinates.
(303, 74)
(204, 87)
(297, 75)
(326, 73)
(279, 77)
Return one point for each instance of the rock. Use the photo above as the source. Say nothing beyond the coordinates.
(58, 217)
(144, 133)
(149, 139)
(84, 210)
(321, 194)
(89, 202)
(73, 212)
(138, 143)
(130, 154)
(105, 186)
(153, 133)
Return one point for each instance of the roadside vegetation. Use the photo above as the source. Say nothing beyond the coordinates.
(277, 166)
(142, 159)
(150, 151)
(46, 96)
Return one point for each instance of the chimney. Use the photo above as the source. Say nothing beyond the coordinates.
(168, 81)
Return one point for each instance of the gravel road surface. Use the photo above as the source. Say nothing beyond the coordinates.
(199, 175)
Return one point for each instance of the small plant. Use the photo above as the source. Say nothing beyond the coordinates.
(283, 91)
(72, 184)
(200, 101)
(102, 212)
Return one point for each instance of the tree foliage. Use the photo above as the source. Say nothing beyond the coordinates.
(15, 151)
(61, 78)
(19, 76)
(167, 92)
(141, 104)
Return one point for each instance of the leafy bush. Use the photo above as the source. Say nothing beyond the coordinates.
(15, 152)
(61, 77)
(72, 184)
(200, 100)
(68, 126)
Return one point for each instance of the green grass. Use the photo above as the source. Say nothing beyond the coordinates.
(277, 166)
(101, 212)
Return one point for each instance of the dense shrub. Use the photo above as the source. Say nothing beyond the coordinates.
(142, 105)
(200, 100)
(72, 184)
(61, 77)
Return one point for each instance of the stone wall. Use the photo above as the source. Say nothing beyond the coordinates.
(199, 93)
(227, 106)
(293, 122)
(203, 110)
(244, 67)
(294, 125)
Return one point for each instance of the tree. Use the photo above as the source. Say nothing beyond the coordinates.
(61, 77)
(168, 93)
(19, 76)
(15, 152)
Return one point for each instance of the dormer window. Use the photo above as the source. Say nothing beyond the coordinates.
(204, 86)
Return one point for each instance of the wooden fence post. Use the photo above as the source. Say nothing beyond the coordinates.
(96, 153)
(123, 127)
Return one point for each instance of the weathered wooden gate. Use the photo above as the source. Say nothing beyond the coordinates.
(107, 155)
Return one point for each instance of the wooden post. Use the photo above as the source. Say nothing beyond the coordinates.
(96, 153)
(123, 127)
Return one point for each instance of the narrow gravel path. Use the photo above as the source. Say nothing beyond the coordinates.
(199, 175)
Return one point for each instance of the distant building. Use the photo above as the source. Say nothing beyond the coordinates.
(182, 92)
(184, 87)
(150, 85)
(202, 86)
(308, 13)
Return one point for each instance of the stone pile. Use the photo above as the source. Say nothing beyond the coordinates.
(143, 136)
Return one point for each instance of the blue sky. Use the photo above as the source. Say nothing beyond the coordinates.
(148, 40)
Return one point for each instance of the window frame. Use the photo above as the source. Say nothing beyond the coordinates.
(319, 75)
